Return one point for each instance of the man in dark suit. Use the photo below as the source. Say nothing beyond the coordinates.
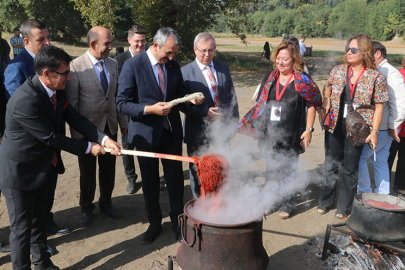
(147, 82)
(30, 153)
(137, 41)
(35, 36)
(212, 78)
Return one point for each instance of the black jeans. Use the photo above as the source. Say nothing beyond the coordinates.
(399, 182)
(338, 148)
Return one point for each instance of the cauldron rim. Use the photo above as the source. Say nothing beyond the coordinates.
(191, 203)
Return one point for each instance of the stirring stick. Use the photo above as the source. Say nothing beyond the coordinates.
(154, 155)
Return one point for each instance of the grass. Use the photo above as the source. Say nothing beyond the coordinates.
(240, 63)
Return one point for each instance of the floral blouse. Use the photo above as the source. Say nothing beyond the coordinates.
(371, 89)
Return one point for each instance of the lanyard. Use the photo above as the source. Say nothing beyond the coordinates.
(278, 94)
(353, 86)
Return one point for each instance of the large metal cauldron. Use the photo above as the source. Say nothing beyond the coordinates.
(377, 223)
(215, 246)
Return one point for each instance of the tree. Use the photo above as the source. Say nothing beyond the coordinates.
(191, 17)
(98, 12)
(14, 12)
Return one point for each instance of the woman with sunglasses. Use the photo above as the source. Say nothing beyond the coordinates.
(356, 82)
(283, 127)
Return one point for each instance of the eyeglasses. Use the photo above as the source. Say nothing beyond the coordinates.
(210, 51)
(353, 50)
(66, 73)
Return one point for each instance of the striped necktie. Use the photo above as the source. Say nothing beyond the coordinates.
(103, 77)
(214, 85)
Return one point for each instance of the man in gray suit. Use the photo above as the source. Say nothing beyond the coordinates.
(137, 41)
(92, 92)
(212, 78)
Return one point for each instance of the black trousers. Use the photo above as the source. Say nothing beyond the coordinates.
(173, 172)
(50, 197)
(399, 182)
(195, 183)
(28, 215)
(106, 178)
(128, 160)
(338, 146)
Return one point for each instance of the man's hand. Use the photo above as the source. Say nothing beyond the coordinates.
(394, 134)
(124, 130)
(159, 108)
(197, 101)
(115, 147)
(96, 149)
(212, 114)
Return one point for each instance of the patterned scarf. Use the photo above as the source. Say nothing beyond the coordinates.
(305, 86)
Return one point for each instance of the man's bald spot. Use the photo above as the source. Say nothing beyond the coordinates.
(95, 32)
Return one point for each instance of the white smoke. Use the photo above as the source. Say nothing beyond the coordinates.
(244, 197)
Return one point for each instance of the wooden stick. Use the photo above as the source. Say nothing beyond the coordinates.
(154, 155)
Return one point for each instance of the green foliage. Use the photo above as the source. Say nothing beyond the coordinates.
(98, 12)
(63, 21)
(380, 19)
(191, 17)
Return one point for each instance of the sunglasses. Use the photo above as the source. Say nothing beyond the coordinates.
(353, 50)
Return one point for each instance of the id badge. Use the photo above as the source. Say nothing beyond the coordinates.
(275, 112)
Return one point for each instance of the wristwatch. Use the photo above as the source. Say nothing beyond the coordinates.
(310, 129)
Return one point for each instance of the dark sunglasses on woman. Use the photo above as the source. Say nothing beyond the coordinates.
(354, 50)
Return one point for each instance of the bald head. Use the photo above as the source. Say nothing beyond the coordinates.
(100, 42)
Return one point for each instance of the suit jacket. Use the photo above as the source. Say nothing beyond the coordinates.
(17, 71)
(137, 88)
(31, 136)
(85, 93)
(3, 102)
(194, 125)
(121, 58)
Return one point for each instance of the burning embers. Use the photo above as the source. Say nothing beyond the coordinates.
(346, 254)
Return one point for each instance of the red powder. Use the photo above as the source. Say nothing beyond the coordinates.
(211, 170)
(384, 205)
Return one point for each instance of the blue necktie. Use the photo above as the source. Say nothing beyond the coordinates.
(103, 77)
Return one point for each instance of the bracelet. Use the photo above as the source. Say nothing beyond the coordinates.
(375, 130)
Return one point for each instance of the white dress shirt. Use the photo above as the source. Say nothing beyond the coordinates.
(394, 109)
(50, 94)
(96, 67)
(30, 53)
(206, 77)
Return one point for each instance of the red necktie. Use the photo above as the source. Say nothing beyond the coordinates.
(213, 82)
(162, 85)
(55, 156)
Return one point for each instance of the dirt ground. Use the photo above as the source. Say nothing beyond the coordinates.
(116, 244)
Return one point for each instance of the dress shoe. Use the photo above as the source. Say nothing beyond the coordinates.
(53, 228)
(87, 218)
(110, 212)
(177, 232)
(151, 234)
(51, 250)
(4, 248)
